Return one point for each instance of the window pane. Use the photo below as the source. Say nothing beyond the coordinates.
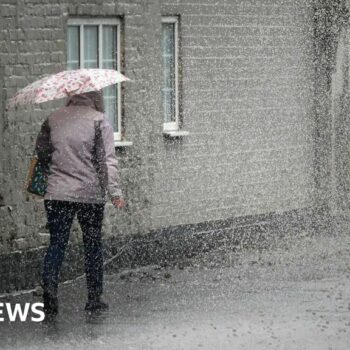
(109, 61)
(168, 38)
(168, 72)
(110, 101)
(109, 51)
(168, 105)
(73, 59)
(94, 58)
(168, 91)
(90, 46)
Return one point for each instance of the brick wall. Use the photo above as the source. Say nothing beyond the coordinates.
(332, 165)
(33, 43)
(247, 101)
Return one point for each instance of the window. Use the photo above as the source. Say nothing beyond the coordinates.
(95, 43)
(170, 73)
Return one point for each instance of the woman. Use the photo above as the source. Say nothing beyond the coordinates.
(76, 145)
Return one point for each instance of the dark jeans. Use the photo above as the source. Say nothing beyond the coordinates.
(60, 215)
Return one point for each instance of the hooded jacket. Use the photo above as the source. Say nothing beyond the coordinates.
(76, 145)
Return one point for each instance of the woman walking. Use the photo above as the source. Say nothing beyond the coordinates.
(76, 146)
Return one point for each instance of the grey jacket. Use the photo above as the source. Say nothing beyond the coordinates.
(76, 144)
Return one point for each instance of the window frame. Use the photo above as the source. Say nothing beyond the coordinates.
(100, 22)
(175, 125)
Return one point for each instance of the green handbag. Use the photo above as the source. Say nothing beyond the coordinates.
(37, 178)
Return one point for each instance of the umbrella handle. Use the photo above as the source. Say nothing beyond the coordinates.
(70, 93)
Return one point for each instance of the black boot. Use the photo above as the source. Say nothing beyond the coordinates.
(96, 304)
(50, 304)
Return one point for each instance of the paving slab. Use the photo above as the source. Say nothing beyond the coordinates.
(294, 295)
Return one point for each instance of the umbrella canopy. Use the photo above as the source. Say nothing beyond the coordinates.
(66, 83)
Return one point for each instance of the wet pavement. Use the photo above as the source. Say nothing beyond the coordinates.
(295, 295)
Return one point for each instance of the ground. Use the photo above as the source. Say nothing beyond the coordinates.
(294, 295)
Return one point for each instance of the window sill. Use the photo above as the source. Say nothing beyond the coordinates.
(176, 133)
(122, 144)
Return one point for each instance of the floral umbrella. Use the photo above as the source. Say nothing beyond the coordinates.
(66, 83)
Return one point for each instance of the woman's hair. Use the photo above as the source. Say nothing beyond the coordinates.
(92, 97)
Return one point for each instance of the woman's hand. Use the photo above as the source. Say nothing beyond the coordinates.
(118, 202)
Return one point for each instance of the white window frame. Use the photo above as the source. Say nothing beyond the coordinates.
(101, 22)
(174, 126)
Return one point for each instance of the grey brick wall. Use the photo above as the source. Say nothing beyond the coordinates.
(33, 42)
(247, 80)
(247, 75)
